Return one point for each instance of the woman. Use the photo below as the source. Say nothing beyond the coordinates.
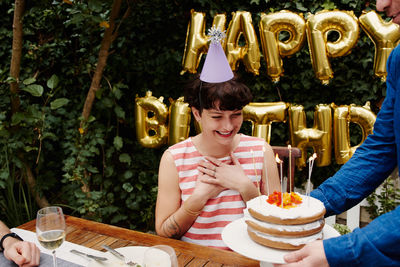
(205, 181)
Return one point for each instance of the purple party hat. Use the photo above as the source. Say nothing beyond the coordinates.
(216, 68)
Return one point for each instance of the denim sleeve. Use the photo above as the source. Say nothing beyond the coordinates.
(377, 244)
(372, 162)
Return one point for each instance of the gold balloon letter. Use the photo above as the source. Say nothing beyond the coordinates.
(319, 137)
(385, 36)
(151, 115)
(196, 40)
(342, 116)
(262, 115)
(271, 26)
(318, 28)
(241, 23)
(179, 121)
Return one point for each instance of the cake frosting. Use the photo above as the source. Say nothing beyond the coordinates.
(308, 208)
(282, 227)
(295, 241)
(284, 221)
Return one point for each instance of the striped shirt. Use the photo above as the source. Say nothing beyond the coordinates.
(228, 205)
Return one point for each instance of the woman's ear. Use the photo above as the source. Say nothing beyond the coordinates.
(196, 113)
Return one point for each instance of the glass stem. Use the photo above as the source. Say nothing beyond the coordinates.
(54, 259)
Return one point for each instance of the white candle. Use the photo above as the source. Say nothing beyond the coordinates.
(265, 171)
(310, 167)
(279, 161)
(290, 168)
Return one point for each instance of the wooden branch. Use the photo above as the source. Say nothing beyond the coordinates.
(16, 54)
(31, 182)
(126, 15)
(108, 37)
(15, 67)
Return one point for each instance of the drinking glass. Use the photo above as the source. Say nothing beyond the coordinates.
(50, 229)
(160, 256)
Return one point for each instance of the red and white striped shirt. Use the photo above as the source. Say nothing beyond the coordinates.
(228, 205)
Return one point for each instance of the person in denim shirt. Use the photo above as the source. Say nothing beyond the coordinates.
(378, 243)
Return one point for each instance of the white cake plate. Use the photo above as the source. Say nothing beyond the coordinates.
(236, 238)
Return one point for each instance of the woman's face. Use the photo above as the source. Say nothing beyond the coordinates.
(221, 125)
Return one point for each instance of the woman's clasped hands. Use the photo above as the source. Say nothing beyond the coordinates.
(229, 175)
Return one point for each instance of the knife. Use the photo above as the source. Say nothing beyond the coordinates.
(120, 256)
(114, 252)
(97, 258)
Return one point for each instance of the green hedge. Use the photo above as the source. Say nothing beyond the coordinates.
(61, 43)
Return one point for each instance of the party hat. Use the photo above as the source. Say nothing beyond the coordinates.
(216, 68)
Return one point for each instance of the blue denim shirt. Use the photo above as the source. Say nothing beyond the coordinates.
(377, 244)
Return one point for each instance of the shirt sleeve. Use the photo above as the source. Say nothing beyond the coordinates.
(372, 162)
(378, 243)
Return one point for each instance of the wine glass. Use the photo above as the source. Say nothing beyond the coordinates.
(160, 256)
(50, 229)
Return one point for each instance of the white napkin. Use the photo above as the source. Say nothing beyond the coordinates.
(63, 250)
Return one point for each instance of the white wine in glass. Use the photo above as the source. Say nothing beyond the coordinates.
(50, 229)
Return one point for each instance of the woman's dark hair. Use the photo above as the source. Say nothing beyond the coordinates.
(231, 95)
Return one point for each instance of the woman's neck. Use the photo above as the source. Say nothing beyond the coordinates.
(214, 149)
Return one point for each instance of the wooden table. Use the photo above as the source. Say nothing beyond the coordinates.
(93, 234)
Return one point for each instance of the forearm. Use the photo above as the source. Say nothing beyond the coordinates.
(377, 244)
(3, 229)
(177, 224)
(248, 191)
(9, 240)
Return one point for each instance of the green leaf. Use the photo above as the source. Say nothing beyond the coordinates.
(52, 82)
(29, 81)
(49, 135)
(117, 93)
(120, 112)
(118, 142)
(95, 5)
(92, 169)
(91, 119)
(125, 158)
(128, 174)
(34, 89)
(10, 80)
(300, 6)
(328, 5)
(17, 118)
(59, 102)
(30, 148)
(118, 218)
(127, 187)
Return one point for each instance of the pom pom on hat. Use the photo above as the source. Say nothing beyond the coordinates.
(216, 68)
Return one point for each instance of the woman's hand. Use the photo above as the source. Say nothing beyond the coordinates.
(228, 175)
(206, 190)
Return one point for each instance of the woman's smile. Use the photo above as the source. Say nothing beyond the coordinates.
(225, 134)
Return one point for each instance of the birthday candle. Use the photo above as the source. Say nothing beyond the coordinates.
(290, 168)
(279, 161)
(310, 167)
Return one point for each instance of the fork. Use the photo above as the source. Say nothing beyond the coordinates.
(120, 256)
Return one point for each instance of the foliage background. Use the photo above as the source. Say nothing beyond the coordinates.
(61, 44)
